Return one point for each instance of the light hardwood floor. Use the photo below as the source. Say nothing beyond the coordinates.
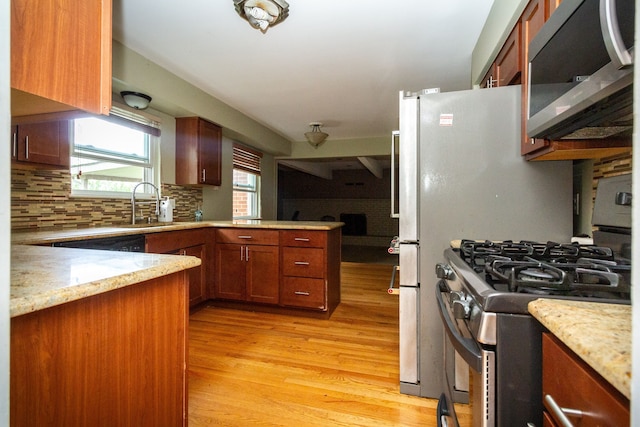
(251, 368)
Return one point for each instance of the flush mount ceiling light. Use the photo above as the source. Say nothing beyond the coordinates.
(316, 137)
(136, 100)
(262, 14)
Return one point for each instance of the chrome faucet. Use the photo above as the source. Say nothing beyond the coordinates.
(133, 202)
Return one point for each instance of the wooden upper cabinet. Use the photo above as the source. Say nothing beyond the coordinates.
(508, 65)
(506, 69)
(61, 56)
(198, 152)
(533, 18)
(44, 143)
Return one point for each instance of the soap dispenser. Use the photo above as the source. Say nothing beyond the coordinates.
(166, 210)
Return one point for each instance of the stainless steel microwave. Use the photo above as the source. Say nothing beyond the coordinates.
(581, 71)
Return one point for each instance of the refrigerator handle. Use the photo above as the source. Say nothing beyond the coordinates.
(395, 137)
(392, 290)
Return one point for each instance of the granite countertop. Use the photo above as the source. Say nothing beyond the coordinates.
(51, 236)
(597, 332)
(43, 277)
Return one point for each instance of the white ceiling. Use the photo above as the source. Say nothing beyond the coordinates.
(340, 62)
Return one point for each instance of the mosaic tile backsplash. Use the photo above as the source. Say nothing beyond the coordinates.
(41, 199)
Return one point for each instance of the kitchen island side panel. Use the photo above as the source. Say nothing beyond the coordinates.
(115, 358)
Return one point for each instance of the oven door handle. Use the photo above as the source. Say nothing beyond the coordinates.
(467, 348)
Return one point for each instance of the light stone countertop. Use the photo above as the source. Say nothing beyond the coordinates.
(43, 277)
(599, 333)
(51, 236)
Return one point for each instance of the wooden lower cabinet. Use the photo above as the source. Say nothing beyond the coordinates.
(117, 358)
(573, 384)
(297, 269)
(311, 269)
(187, 243)
(247, 265)
(247, 273)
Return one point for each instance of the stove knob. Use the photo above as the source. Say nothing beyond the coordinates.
(444, 271)
(461, 308)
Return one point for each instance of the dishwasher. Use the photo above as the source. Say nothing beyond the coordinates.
(132, 243)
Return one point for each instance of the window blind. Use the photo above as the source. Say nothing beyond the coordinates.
(133, 121)
(246, 159)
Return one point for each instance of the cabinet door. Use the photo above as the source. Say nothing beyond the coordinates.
(44, 143)
(230, 272)
(263, 274)
(198, 152)
(532, 20)
(197, 279)
(61, 51)
(489, 79)
(209, 153)
(508, 64)
(573, 384)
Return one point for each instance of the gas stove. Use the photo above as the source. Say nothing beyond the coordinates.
(504, 276)
(550, 268)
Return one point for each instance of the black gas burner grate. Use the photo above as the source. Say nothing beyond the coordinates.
(549, 268)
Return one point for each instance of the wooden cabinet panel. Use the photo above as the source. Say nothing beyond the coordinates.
(574, 384)
(247, 273)
(303, 238)
(508, 64)
(489, 79)
(61, 51)
(161, 243)
(263, 284)
(304, 292)
(115, 358)
(45, 143)
(197, 278)
(262, 266)
(189, 243)
(247, 236)
(532, 20)
(303, 262)
(230, 272)
(198, 152)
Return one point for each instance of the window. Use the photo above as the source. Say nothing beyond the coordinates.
(246, 183)
(110, 155)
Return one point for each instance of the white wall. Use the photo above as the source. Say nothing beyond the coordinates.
(5, 212)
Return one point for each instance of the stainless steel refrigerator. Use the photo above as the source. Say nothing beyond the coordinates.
(461, 176)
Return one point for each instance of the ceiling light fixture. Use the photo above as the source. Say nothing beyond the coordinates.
(316, 137)
(136, 100)
(262, 14)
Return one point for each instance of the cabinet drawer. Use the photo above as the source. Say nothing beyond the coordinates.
(247, 236)
(303, 238)
(307, 262)
(574, 384)
(303, 292)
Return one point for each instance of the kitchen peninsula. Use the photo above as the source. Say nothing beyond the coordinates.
(278, 265)
(116, 323)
